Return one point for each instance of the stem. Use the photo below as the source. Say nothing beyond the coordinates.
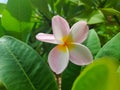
(59, 81)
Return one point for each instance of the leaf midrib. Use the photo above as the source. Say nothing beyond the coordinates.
(15, 58)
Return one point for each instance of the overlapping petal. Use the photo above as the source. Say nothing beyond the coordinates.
(60, 27)
(80, 55)
(69, 44)
(58, 59)
(79, 32)
(46, 38)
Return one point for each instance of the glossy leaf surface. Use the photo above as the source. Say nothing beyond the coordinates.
(111, 48)
(93, 42)
(101, 75)
(21, 68)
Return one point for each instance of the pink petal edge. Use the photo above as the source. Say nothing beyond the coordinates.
(79, 31)
(80, 55)
(58, 59)
(46, 38)
(60, 27)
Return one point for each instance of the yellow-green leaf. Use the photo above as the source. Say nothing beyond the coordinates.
(100, 75)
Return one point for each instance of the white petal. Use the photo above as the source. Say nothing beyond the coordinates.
(79, 32)
(46, 38)
(80, 54)
(60, 27)
(58, 59)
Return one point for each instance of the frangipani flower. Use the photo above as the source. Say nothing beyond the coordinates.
(69, 47)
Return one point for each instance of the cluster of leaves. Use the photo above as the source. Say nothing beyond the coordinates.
(22, 68)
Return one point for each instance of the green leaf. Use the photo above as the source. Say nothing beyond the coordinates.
(93, 42)
(111, 3)
(99, 3)
(21, 68)
(69, 75)
(12, 24)
(101, 75)
(15, 27)
(95, 4)
(96, 17)
(110, 11)
(20, 9)
(68, 9)
(117, 6)
(2, 86)
(111, 48)
(2, 7)
(43, 6)
(1, 29)
(89, 3)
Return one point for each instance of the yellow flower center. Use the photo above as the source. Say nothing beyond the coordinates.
(67, 42)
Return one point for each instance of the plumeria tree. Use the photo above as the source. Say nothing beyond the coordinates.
(84, 52)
